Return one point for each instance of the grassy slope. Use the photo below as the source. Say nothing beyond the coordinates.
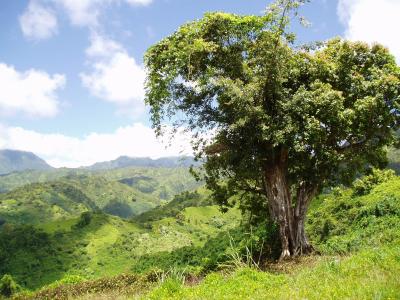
(359, 237)
(369, 274)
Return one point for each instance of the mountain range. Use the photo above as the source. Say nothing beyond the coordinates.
(16, 161)
(125, 161)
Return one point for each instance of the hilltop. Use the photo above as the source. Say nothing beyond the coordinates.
(14, 160)
(126, 161)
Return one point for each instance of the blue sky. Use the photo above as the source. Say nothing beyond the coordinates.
(72, 76)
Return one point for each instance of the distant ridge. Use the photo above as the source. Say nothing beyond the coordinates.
(125, 161)
(15, 160)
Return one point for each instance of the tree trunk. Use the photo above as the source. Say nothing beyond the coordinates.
(305, 194)
(279, 202)
(290, 219)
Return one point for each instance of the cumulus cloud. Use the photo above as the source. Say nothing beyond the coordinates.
(32, 92)
(38, 22)
(372, 21)
(101, 46)
(115, 76)
(87, 12)
(82, 12)
(59, 150)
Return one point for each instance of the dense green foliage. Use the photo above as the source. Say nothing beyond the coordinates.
(50, 201)
(345, 222)
(340, 223)
(8, 287)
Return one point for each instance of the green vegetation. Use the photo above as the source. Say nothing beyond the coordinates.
(163, 181)
(63, 194)
(174, 207)
(94, 244)
(356, 235)
(369, 274)
(47, 201)
(8, 287)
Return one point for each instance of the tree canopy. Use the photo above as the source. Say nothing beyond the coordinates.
(284, 120)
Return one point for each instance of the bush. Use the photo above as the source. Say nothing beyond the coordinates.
(365, 184)
(8, 286)
(84, 220)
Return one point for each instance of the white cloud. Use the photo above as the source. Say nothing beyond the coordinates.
(60, 150)
(102, 47)
(138, 2)
(79, 12)
(87, 12)
(32, 92)
(372, 21)
(38, 22)
(82, 12)
(115, 76)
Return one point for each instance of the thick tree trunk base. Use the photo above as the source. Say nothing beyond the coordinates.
(289, 217)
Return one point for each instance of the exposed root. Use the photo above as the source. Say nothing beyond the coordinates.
(285, 255)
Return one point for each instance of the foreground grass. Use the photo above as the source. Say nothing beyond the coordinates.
(369, 274)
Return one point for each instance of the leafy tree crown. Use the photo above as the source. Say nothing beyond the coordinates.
(330, 108)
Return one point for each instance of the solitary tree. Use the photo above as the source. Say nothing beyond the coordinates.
(273, 121)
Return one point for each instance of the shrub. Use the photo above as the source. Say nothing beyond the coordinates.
(84, 220)
(365, 184)
(8, 286)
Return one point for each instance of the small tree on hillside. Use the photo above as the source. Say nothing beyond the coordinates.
(286, 121)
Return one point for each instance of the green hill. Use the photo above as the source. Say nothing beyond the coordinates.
(39, 202)
(356, 231)
(103, 246)
(70, 196)
(160, 183)
(125, 161)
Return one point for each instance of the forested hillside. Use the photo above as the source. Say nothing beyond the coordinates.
(355, 230)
